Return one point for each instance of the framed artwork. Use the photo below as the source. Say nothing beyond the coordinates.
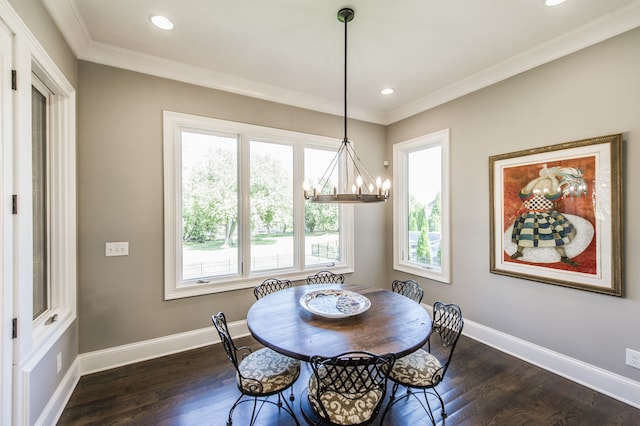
(556, 214)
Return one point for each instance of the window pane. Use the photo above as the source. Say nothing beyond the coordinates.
(209, 205)
(322, 233)
(39, 196)
(425, 220)
(271, 199)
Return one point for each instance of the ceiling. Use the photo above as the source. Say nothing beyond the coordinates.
(292, 51)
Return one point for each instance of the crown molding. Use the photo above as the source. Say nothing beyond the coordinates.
(67, 17)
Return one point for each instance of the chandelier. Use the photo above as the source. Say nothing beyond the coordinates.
(362, 188)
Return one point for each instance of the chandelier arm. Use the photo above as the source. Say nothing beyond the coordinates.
(357, 162)
(324, 180)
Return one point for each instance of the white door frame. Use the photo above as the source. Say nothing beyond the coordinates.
(6, 225)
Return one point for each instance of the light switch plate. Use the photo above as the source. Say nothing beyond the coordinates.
(117, 249)
(633, 358)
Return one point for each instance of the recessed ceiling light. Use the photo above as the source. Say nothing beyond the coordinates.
(386, 91)
(161, 22)
(553, 2)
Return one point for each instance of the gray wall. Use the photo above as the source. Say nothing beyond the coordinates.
(44, 380)
(120, 198)
(591, 93)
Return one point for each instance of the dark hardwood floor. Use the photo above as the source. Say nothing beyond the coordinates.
(482, 387)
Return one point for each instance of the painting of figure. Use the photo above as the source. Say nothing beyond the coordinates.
(556, 214)
(552, 223)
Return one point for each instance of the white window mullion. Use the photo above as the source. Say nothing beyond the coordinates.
(298, 202)
(446, 208)
(244, 205)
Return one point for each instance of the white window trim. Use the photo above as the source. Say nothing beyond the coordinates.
(400, 150)
(173, 123)
(35, 341)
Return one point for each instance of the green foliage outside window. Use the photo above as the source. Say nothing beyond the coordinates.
(209, 200)
(425, 219)
(423, 250)
(435, 216)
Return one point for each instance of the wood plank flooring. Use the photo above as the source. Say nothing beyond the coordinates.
(482, 387)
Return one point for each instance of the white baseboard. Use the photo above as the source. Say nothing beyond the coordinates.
(106, 359)
(53, 410)
(605, 382)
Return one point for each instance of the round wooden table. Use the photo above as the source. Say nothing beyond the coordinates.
(393, 324)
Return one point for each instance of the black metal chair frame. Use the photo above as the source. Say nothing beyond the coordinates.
(235, 355)
(447, 323)
(325, 277)
(408, 288)
(270, 285)
(364, 372)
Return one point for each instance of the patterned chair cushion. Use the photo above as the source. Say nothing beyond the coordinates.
(344, 409)
(418, 369)
(274, 371)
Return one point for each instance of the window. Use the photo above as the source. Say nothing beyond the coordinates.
(40, 99)
(322, 238)
(234, 210)
(271, 191)
(49, 162)
(421, 209)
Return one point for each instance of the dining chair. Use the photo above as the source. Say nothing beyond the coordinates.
(346, 389)
(270, 285)
(325, 277)
(259, 374)
(408, 288)
(421, 370)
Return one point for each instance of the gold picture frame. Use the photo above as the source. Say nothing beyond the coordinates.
(556, 214)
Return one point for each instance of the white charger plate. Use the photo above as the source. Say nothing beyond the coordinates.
(335, 303)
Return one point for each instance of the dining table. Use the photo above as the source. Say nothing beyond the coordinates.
(382, 322)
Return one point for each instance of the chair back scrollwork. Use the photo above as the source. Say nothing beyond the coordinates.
(270, 285)
(348, 388)
(447, 323)
(408, 288)
(325, 277)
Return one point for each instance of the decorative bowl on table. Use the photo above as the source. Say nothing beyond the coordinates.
(330, 303)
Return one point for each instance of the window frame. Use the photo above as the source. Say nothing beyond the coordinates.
(174, 286)
(401, 151)
(42, 333)
(61, 206)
